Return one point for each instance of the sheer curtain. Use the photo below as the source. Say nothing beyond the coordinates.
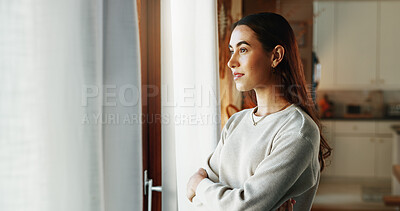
(69, 106)
(190, 100)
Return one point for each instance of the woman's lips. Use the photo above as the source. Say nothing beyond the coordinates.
(237, 75)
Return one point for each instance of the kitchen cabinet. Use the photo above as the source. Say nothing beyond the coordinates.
(355, 127)
(356, 25)
(327, 131)
(323, 40)
(357, 44)
(327, 128)
(361, 149)
(389, 68)
(383, 157)
(385, 127)
(354, 157)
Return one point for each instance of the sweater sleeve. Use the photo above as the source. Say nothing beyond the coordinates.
(291, 155)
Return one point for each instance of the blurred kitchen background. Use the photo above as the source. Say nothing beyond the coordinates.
(350, 55)
(94, 93)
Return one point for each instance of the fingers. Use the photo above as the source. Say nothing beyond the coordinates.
(292, 203)
(283, 207)
(194, 182)
(189, 191)
(190, 195)
(202, 172)
(287, 206)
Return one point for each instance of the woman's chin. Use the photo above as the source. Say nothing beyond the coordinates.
(242, 88)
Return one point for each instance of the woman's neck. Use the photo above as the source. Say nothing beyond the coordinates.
(269, 101)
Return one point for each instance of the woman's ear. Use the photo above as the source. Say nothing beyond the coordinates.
(277, 55)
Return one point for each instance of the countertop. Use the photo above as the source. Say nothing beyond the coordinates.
(396, 128)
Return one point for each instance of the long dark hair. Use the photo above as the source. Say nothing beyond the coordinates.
(271, 30)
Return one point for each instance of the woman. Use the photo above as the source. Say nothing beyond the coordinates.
(274, 152)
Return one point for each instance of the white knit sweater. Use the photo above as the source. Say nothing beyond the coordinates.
(260, 167)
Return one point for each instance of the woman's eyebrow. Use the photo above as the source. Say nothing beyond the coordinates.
(240, 43)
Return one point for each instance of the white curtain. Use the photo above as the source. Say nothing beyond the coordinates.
(122, 136)
(190, 99)
(69, 105)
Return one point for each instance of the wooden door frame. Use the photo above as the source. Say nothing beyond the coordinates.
(150, 52)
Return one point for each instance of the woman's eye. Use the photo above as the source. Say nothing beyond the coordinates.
(243, 50)
(231, 52)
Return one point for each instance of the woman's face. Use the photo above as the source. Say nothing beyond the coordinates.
(249, 62)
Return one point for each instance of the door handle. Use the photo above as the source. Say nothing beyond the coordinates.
(149, 188)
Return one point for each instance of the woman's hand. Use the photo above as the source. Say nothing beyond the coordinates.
(287, 206)
(194, 182)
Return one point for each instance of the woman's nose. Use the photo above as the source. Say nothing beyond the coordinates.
(232, 63)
